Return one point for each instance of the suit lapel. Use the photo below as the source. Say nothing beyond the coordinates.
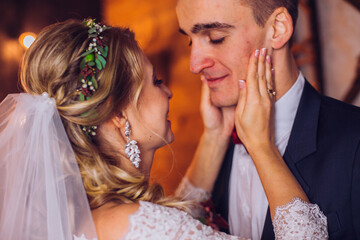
(220, 194)
(302, 141)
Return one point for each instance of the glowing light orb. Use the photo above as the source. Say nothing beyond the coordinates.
(26, 39)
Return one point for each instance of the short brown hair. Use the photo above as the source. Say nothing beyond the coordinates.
(262, 9)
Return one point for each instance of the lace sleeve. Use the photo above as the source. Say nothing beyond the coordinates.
(300, 220)
(154, 221)
(187, 191)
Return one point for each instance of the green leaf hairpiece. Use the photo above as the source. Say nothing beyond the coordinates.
(94, 60)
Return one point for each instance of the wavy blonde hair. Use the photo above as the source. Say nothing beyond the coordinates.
(52, 65)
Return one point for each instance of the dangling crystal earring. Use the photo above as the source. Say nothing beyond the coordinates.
(131, 147)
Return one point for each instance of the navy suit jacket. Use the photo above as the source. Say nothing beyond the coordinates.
(323, 153)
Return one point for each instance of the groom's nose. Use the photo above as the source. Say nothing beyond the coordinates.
(200, 59)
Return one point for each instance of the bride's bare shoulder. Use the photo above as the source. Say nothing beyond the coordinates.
(112, 220)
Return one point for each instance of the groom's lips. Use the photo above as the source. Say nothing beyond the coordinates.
(214, 81)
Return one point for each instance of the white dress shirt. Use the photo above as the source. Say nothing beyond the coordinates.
(247, 201)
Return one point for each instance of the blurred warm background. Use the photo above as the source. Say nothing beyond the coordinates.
(326, 45)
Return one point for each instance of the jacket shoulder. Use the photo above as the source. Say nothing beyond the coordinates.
(340, 106)
(343, 116)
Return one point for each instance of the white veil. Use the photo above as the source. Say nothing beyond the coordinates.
(41, 191)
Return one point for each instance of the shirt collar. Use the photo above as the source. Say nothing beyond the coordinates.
(286, 108)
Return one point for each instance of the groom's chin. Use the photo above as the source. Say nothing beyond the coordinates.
(220, 99)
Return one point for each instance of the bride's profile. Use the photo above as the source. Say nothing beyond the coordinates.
(77, 147)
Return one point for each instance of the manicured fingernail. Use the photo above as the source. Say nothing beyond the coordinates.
(268, 58)
(273, 71)
(263, 51)
(242, 84)
(257, 52)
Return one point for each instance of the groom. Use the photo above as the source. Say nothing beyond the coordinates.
(317, 136)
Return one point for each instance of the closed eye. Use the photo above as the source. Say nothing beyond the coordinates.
(158, 82)
(217, 41)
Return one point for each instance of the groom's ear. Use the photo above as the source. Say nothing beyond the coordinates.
(280, 27)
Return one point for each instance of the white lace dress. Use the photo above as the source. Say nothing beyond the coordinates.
(296, 220)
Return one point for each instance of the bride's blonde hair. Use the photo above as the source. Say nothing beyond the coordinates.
(52, 65)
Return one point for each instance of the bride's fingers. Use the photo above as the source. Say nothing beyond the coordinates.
(205, 94)
(242, 98)
(252, 84)
(248, 89)
(270, 78)
(261, 73)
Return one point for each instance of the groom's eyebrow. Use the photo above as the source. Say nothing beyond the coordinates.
(199, 27)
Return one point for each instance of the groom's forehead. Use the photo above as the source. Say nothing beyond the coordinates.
(195, 15)
(200, 27)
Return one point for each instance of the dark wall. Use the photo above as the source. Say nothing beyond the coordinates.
(21, 16)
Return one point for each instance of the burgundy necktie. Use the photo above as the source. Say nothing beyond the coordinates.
(235, 138)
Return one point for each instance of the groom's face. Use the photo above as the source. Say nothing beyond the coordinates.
(222, 35)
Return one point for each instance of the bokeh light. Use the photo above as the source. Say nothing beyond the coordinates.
(26, 39)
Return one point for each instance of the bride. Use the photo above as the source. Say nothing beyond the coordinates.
(77, 147)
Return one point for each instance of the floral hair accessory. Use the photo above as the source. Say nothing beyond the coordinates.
(94, 60)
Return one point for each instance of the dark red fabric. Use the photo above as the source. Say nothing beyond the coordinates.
(235, 138)
(212, 218)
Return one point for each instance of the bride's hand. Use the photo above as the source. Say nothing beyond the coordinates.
(253, 114)
(254, 125)
(217, 121)
(209, 155)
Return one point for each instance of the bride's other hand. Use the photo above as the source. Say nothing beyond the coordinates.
(253, 114)
(254, 125)
(210, 152)
(217, 121)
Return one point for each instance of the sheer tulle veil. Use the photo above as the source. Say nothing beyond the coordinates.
(41, 191)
